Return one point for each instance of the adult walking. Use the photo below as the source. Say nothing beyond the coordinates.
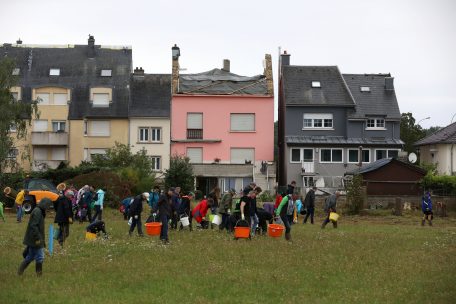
(34, 238)
(20, 197)
(135, 211)
(165, 211)
(175, 204)
(63, 215)
(330, 206)
(285, 211)
(309, 204)
(185, 207)
(99, 205)
(153, 199)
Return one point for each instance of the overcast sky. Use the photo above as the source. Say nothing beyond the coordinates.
(415, 40)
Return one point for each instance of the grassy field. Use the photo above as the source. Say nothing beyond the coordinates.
(370, 259)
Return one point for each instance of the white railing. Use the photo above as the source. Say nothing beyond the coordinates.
(308, 167)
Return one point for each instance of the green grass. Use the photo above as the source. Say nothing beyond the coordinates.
(376, 259)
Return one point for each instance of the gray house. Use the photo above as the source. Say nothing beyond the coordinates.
(330, 123)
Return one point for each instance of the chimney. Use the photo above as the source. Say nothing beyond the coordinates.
(175, 52)
(389, 83)
(19, 41)
(91, 47)
(138, 71)
(285, 58)
(226, 65)
(268, 74)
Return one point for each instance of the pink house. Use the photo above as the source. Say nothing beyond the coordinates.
(225, 124)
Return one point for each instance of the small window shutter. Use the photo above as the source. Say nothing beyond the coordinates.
(194, 120)
(242, 122)
(99, 128)
(40, 125)
(101, 99)
(58, 154)
(43, 98)
(60, 99)
(40, 153)
(195, 155)
(240, 155)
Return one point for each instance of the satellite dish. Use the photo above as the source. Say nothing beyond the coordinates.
(412, 158)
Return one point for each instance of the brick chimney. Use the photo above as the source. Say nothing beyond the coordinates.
(175, 51)
(226, 65)
(138, 74)
(268, 74)
(91, 47)
(285, 58)
(19, 41)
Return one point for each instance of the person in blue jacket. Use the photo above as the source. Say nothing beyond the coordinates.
(99, 204)
(426, 206)
(153, 199)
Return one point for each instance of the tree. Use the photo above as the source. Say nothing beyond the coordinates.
(410, 132)
(355, 195)
(432, 130)
(180, 173)
(15, 115)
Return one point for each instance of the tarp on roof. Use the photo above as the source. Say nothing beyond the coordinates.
(220, 82)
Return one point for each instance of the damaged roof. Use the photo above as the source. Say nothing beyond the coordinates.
(221, 82)
(446, 135)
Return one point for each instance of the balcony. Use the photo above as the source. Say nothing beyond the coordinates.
(194, 133)
(50, 138)
(307, 168)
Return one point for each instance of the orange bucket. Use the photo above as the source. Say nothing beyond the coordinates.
(153, 228)
(242, 232)
(275, 230)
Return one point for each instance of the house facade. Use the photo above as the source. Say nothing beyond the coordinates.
(330, 123)
(82, 93)
(225, 124)
(439, 149)
(149, 117)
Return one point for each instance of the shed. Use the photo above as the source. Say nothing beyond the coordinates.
(389, 176)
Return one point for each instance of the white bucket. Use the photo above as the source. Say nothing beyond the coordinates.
(217, 219)
(184, 221)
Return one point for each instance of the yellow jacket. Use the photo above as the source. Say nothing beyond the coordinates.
(20, 197)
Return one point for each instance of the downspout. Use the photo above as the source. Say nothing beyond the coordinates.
(451, 159)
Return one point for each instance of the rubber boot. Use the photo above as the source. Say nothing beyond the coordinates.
(22, 267)
(288, 236)
(39, 269)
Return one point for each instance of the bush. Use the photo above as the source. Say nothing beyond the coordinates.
(180, 174)
(266, 196)
(355, 195)
(440, 184)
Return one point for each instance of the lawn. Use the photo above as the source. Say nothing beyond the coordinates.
(369, 259)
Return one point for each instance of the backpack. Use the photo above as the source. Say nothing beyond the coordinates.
(290, 207)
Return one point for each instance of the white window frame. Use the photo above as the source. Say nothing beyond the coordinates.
(59, 125)
(248, 126)
(154, 160)
(54, 72)
(377, 123)
(106, 73)
(316, 84)
(357, 162)
(301, 155)
(315, 119)
(141, 132)
(387, 152)
(157, 133)
(364, 89)
(331, 161)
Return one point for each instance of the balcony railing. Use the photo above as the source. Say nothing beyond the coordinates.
(50, 138)
(194, 133)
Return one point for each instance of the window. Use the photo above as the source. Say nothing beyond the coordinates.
(375, 123)
(16, 71)
(194, 125)
(354, 158)
(195, 155)
(58, 154)
(15, 96)
(12, 153)
(106, 73)
(86, 127)
(54, 72)
(242, 155)
(100, 100)
(143, 134)
(295, 155)
(316, 120)
(308, 155)
(58, 126)
(60, 98)
(384, 153)
(40, 153)
(316, 84)
(97, 151)
(242, 122)
(393, 153)
(330, 155)
(13, 128)
(365, 89)
(40, 125)
(156, 134)
(42, 98)
(99, 128)
(156, 163)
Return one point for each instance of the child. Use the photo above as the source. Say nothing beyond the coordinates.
(426, 206)
(96, 227)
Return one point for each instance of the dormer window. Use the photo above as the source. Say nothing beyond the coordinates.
(316, 84)
(54, 72)
(318, 121)
(375, 124)
(16, 71)
(106, 73)
(365, 89)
